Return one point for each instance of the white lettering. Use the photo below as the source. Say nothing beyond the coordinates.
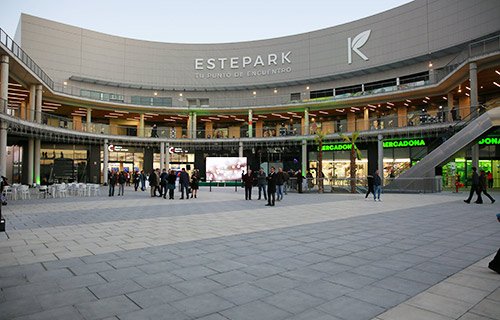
(258, 61)
(222, 60)
(234, 63)
(271, 59)
(284, 57)
(246, 61)
(198, 64)
(211, 64)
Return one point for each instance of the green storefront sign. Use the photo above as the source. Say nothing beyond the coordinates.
(490, 141)
(387, 144)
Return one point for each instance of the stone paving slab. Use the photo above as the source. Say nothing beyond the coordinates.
(220, 257)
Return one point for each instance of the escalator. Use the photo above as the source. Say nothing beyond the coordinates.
(422, 176)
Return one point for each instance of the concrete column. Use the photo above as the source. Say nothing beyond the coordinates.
(305, 131)
(366, 118)
(3, 148)
(141, 126)
(450, 106)
(190, 125)
(381, 156)
(36, 155)
(475, 156)
(304, 156)
(31, 155)
(162, 155)
(105, 162)
(31, 111)
(4, 79)
(167, 156)
(89, 119)
(240, 149)
(250, 123)
(473, 86)
(194, 125)
(38, 108)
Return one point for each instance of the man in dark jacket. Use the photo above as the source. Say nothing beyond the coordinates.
(113, 179)
(474, 187)
(261, 182)
(153, 182)
(300, 179)
(142, 179)
(248, 181)
(184, 182)
(163, 183)
(377, 185)
(271, 187)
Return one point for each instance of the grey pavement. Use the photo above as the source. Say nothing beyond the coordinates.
(329, 256)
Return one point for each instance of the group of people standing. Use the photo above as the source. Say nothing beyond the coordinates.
(274, 182)
(160, 183)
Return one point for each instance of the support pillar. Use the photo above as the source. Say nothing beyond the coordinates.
(473, 87)
(105, 163)
(194, 125)
(141, 126)
(162, 155)
(250, 123)
(36, 155)
(89, 119)
(4, 95)
(190, 126)
(3, 148)
(31, 155)
(305, 130)
(475, 155)
(167, 156)
(38, 109)
(31, 111)
(380, 150)
(304, 157)
(366, 118)
(240, 149)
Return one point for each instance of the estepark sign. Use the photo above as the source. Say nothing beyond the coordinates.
(386, 144)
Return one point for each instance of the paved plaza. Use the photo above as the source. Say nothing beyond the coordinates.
(319, 257)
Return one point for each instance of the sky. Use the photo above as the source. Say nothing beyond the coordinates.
(196, 21)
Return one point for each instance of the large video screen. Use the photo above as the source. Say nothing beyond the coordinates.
(225, 168)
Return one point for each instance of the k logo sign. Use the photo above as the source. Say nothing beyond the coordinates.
(357, 43)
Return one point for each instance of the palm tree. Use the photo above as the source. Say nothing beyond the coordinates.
(355, 153)
(319, 136)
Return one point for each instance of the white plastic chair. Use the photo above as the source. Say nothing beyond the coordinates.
(8, 192)
(62, 190)
(25, 192)
(43, 190)
(82, 190)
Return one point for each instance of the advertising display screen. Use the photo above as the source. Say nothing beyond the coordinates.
(225, 168)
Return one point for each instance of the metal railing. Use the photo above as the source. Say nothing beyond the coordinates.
(268, 129)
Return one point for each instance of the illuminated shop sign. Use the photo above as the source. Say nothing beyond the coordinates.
(387, 144)
(404, 143)
(176, 150)
(113, 148)
(490, 141)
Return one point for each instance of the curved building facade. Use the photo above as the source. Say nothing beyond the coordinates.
(399, 77)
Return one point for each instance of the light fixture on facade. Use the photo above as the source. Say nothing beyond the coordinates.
(254, 93)
(408, 100)
(430, 64)
(467, 88)
(275, 90)
(307, 88)
(468, 95)
(459, 88)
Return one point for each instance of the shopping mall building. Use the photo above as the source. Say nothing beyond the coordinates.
(77, 102)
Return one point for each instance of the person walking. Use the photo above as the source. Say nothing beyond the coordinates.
(271, 187)
(300, 180)
(154, 131)
(248, 181)
(195, 179)
(474, 187)
(113, 179)
(377, 186)
(280, 180)
(482, 186)
(122, 179)
(153, 181)
(143, 179)
(370, 187)
(286, 185)
(136, 179)
(261, 183)
(184, 182)
(171, 184)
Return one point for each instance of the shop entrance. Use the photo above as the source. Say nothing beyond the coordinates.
(127, 167)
